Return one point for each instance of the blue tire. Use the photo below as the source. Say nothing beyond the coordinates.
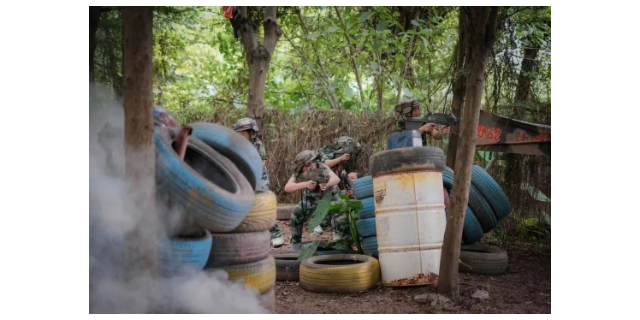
(366, 227)
(233, 146)
(180, 255)
(475, 222)
(370, 245)
(206, 185)
(472, 231)
(363, 188)
(368, 209)
(491, 192)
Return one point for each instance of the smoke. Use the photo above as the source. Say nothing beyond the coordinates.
(112, 215)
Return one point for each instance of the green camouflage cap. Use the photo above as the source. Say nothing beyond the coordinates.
(303, 158)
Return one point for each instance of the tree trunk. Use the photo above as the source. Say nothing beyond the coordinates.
(139, 145)
(94, 19)
(258, 59)
(481, 29)
(459, 88)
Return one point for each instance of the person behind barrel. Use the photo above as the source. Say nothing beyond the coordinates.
(411, 109)
(341, 156)
(312, 192)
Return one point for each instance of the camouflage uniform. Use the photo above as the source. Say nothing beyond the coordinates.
(307, 206)
(264, 184)
(339, 222)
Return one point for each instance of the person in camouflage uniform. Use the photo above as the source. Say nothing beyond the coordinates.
(342, 165)
(411, 109)
(310, 194)
(248, 128)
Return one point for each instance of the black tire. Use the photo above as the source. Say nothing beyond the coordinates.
(287, 265)
(482, 259)
(207, 186)
(233, 146)
(491, 192)
(230, 249)
(406, 159)
(296, 247)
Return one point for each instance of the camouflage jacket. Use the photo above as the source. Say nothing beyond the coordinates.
(261, 150)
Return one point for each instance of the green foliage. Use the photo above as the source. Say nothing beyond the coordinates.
(321, 211)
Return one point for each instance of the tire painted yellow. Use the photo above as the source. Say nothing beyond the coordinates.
(260, 275)
(262, 215)
(340, 273)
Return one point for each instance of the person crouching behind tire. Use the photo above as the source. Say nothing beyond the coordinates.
(304, 161)
(248, 128)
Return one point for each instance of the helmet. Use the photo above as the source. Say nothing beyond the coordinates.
(303, 158)
(406, 108)
(346, 144)
(245, 124)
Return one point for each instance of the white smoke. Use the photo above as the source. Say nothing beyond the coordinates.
(111, 216)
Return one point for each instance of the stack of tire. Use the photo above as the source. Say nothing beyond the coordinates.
(215, 187)
(366, 223)
(487, 203)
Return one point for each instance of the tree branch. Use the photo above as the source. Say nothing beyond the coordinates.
(490, 33)
(272, 30)
(248, 35)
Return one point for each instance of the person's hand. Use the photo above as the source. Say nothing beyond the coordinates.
(345, 157)
(350, 193)
(427, 127)
(323, 186)
(445, 130)
(310, 184)
(264, 163)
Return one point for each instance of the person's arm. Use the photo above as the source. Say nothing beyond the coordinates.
(293, 186)
(334, 162)
(427, 127)
(333, 180)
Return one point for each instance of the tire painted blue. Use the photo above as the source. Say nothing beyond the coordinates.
(447, 178)
(491, 192)
(180, 255)
(233, 146)
(363, 188)
(472, 231)
(368, 209)
(482, 210)
(366, 227)
(211, 206)
(370, 245)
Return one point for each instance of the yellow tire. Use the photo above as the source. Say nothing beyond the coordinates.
(339, 273)
(262, 215)
(260, 275)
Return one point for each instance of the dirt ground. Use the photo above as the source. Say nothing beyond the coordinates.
(524, 288)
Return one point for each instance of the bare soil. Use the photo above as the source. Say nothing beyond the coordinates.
(524, 288)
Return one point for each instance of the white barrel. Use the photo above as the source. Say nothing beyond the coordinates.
(410, 225)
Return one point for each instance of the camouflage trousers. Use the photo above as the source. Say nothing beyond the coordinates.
(303, 211)
(275, 231)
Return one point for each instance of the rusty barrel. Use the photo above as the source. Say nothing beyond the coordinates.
(410, 216)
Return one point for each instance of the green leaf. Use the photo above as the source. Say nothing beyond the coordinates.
(348, 92)
(364, 105)
(313, 35)
(425, 43)
(354, 204)
(382, 26)
(366, 15)
(308, 250)
(407, 92)
(375, 66)
(332, 29)
(321, 211)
